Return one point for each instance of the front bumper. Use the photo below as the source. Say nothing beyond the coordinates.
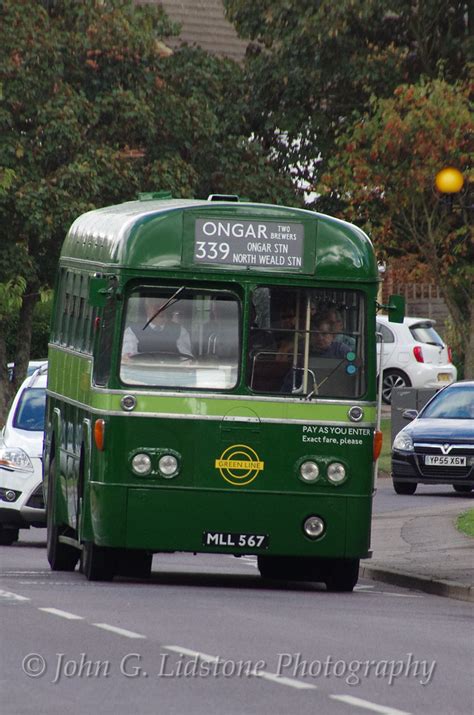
(28, 507)
(410, 467)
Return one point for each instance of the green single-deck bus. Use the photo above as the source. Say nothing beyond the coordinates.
(212, 388)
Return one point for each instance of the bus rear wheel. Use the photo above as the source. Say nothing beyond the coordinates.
(99, 563)
(61, 557)
(341, 574)
(291, 568)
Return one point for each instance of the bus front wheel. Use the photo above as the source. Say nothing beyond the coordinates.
(61, 557)
(341, 574)
(99, 563)
(135, 563)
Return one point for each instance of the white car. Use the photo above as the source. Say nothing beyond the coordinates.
(33, 365)
(21, 444)
(414, 355)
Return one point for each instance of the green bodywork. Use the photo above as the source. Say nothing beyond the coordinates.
(99, 498)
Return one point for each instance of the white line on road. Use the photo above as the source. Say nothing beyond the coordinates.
(62, 614)
(120, 631)
(285, 681)
(258, 674)
(13, 596)
(192, 653)
(359, 703)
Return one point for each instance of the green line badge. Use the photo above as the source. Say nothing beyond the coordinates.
(239, 465)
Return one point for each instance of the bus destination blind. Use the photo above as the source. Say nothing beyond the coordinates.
(252, 244)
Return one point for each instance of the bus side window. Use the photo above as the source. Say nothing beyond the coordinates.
(104, 343)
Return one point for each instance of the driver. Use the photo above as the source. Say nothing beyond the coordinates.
(160, 333)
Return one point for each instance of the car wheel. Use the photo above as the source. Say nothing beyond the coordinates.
(61, 557)
(462, 488)
(391, 379)
(342, 574)
(404, 487)
(8, 536)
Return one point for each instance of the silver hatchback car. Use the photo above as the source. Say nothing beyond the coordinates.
(21, 444)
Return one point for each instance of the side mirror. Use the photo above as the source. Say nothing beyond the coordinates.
(409, 415)
(396, 308)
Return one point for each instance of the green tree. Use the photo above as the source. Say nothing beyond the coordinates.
(383, 177)
(93, 108)
(314, 64)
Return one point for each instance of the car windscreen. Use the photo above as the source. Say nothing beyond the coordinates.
(457, 403)
(425, 333)
(29, 413)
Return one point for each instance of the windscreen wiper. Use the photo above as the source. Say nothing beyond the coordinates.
(163, 307)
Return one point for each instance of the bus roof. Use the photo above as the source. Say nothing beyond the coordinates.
(151, 234)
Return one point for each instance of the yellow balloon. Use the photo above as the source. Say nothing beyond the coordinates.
(449, 180)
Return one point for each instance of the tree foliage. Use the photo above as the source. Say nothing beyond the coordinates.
(383, 176)
(315, 64)
(93, 108)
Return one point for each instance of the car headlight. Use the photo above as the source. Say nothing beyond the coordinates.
(16, 459)
(403, 442)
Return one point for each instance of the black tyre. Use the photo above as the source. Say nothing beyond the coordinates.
(391, 379)
(341, 574)
(134, 563)
(462, 488)
(61, 557)
(291, 568)
(404, 487)
(98, 562)
(8, 535)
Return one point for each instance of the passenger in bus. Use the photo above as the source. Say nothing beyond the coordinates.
(285, 324)
(337, 326)
(161, 335)
(323, 339)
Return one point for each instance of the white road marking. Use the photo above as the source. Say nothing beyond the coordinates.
(285, 681)
(363, 588)
(393, 593)
(258, 674)
(192, 653)
(62, 614)
(359, 703)
(13, 596)
(120, 631)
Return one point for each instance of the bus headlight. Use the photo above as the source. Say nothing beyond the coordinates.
(313, 527)
(309, 471)
(141, 464)
(168, 466)
(336, 473)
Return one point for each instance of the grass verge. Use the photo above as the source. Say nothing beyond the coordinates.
(465, 522)
(384, 459)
